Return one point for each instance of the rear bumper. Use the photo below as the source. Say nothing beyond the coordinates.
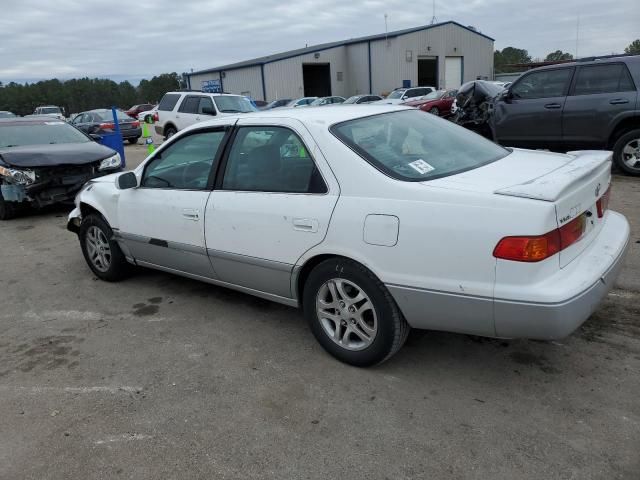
(558, 319)
(159, 129)
(131, 133)
(562, 303)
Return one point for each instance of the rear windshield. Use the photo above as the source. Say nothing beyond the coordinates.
(107, 116)
(27, 133)
(233, 104)
(168, 102)
(50, 110)
(411, 146)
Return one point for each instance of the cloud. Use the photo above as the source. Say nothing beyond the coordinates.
(141, 38)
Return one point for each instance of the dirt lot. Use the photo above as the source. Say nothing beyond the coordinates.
(161, 377)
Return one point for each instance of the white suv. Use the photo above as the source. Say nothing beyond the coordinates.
(179, 110)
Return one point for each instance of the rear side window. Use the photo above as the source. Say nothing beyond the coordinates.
(411, 146)
(543, 84)
(271, 159)
(168, 102)
(608, 78)
(189, 104)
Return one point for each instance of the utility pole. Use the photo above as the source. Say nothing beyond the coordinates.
(433, 17)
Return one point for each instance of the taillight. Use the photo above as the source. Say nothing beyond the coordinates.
(135, 124)
(107, 126)
(603, 202)
(540, 247)
(156, 117)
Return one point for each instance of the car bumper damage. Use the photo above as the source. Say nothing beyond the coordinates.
(552, 309)
(58, 184)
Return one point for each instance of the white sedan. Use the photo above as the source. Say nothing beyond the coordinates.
(371, 219)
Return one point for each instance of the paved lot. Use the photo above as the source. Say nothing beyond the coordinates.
(161, 377)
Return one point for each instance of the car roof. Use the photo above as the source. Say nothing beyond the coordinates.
(200, 92)
(594, 61)
(328, 115)
(38, 119)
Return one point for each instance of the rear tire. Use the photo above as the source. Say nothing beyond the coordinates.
(626, 152)
(134, 141)
(352, 314)
(169, 132)
(101, 251)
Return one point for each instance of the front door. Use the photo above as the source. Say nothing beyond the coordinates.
(272, 204)
(531, 114)
(162, 221)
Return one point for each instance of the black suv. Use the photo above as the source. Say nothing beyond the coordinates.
(584, 104)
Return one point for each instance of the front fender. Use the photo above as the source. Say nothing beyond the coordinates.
(99, 196)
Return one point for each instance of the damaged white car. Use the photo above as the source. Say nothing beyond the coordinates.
(371, 220)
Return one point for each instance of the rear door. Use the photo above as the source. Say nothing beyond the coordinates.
(599, 94)
(187, 111)
(273, 201)
(531, 114)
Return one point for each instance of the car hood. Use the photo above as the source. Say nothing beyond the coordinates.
(53, 155)
(388, 101)
(528, 174)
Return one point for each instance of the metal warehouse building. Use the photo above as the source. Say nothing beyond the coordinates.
(443, 55)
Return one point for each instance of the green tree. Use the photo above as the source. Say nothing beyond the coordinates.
(633, 48)
(502, 59)
(557, 56)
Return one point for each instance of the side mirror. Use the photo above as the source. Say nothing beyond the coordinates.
(127, 180)
(95, 137)
(208, 111)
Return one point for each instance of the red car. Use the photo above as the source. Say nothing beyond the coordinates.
(136, 109)
(438, 102)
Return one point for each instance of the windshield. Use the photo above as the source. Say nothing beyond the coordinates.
(27, 133)
(411, 146)
(396, 94)
(433, 95)
(47, 110)
(353, 99)
(233, 104)
(318, 101)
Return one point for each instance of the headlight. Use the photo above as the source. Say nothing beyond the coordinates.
(111, 162)
(20, 177)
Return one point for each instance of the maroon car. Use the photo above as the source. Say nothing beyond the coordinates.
(137, 109)
(438, 102)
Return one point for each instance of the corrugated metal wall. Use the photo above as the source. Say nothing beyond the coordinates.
(196, 80)
(389, 58)
(284, 78)
(389, 65)
(357, 74)
(246, 81)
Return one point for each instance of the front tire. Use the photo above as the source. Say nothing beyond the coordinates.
(352, 314)
(101, 251)
(8, 210)
(626, 152)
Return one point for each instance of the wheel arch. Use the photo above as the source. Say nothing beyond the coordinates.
(166, 126)
(623, 126)
(302, 271)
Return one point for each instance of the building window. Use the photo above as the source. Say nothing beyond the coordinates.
(339, 76)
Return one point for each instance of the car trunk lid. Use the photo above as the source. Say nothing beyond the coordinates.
(573, 183)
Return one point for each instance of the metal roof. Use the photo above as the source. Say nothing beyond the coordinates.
(326, 46)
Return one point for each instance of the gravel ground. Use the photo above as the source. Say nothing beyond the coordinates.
(161, 377)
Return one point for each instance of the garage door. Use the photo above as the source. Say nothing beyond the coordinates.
(452, 72)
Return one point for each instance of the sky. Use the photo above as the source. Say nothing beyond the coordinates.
(134, 39)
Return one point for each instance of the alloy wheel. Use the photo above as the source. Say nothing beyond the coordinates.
(98, 249)
(631, 154)
(347, 314)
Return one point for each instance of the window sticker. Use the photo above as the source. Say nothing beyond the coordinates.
(421, 166)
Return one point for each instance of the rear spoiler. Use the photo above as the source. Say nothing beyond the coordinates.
(550, 187)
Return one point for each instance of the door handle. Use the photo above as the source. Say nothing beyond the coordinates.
(189, 214)
(618, 101)
(305, 225)
(552, 106)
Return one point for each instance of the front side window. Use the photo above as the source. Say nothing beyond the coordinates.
(185, 164)
(205, 106)
(608, 78)
(543, 84)
(411, 146)
(271, 159)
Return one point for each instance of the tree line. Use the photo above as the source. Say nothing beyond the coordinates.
(81, 94)
(503, 60)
